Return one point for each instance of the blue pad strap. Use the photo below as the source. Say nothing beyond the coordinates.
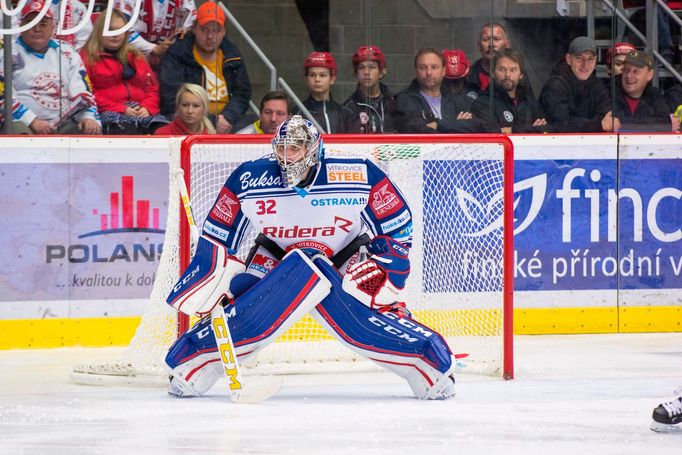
(262, 313)
(368, 331)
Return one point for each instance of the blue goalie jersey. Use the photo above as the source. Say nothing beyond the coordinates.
(347, 197)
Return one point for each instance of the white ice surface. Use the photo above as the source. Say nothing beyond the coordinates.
(574, 395)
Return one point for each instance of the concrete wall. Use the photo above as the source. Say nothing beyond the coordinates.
(400, 28)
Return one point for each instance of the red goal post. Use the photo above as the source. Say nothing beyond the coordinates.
(395, 148)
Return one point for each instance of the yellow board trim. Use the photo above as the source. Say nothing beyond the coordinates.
(100, 332)
(55, 333)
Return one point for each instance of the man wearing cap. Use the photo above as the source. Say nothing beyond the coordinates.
(75, 15)
(372, 103)
(425, 107)
(319, 69)
(207, 58)
(51, 90)
(457, 67)
(615, 58)
(573, 98)
(514, 109)
(639, 105)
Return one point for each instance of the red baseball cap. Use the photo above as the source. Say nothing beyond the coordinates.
(35, 6)
(456, 63)
(621, 49)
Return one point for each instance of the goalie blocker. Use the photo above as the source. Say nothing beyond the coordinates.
(297, 286)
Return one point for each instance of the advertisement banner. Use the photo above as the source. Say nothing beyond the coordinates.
(82, 232)
(598, 224)
(78, 236)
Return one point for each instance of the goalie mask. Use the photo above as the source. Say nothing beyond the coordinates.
(298, 147)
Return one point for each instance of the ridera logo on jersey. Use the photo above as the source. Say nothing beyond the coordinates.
(125, 215)
(226, 207)
(384, 200)
(308, 232)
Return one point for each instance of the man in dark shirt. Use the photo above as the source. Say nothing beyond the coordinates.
(639, 105)
(514, 109)
(426, 107)
(573, 99)
(372, 103)
(320, 74)
(491, 39)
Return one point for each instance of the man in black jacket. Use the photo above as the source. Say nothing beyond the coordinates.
(514, 109)
(639, 105)
(573, 98)
(491, 39)
(372, 103)
(427, 107)
(320, 74)
(206, 57)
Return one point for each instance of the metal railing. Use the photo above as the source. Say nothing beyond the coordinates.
(300, 105)
(650, 40)
(274, 80)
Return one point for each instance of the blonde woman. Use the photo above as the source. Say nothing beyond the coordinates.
(191, 112)
(125, 88)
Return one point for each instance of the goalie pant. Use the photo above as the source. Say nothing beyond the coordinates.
(294, 287)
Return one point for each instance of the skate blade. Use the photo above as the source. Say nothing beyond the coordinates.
(665, 428)
(257, 390)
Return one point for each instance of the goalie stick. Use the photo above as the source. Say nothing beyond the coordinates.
(259, 389)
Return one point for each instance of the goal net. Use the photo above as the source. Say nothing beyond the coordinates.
(460, 191)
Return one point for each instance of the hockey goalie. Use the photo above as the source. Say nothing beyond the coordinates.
(334, 236)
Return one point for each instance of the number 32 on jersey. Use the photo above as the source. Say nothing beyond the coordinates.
(266, 206)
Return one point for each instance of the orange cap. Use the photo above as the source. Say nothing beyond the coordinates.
(210, 12)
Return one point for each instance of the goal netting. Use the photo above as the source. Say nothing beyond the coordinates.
(460, 190)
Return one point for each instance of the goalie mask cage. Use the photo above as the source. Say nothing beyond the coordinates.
(460, 191)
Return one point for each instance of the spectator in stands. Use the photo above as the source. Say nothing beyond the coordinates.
(275, 107)
(74, 17)
(573, 99)
(615, 58)
(639, 105)
(159, 23)
(372, 103)
(320, 75)
(457, 68)
(191, 116)
(207, 58)
(51, 89)
(514, 109)
(125, 88)
(424, 107)
(491, 39)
